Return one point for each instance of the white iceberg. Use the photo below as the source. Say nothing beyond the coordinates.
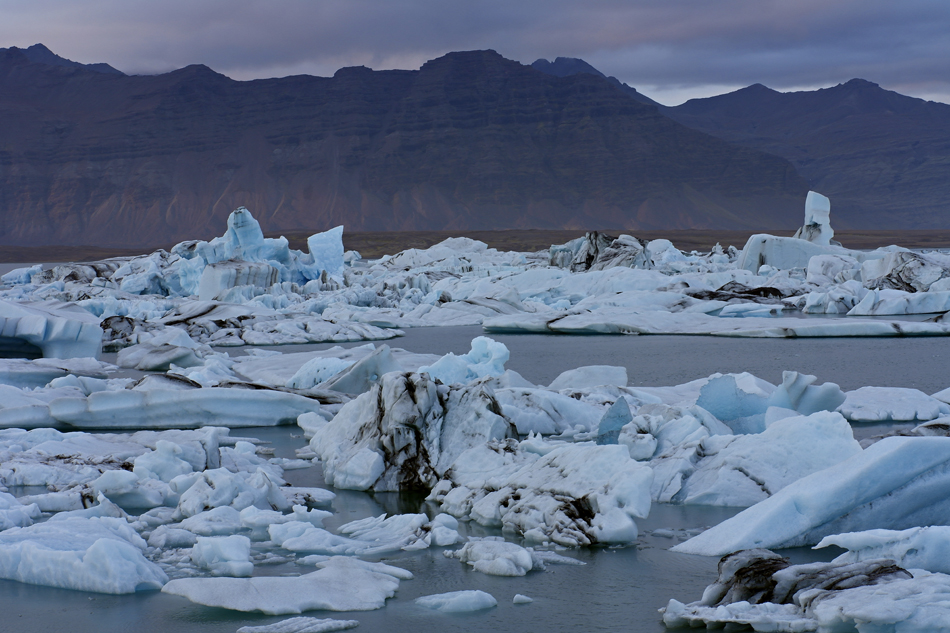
(458, 601)
(897, 483)
(340, 584)
(100, 554)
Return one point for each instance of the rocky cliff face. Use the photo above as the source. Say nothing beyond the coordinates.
(469, 141)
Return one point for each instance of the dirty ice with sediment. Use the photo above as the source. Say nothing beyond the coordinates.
(133, 475)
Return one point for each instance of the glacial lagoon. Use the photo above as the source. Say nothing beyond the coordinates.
(618, 588)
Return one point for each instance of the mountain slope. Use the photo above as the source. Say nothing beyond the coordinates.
(882, 157)
(469, 141)
(567, 66)
(39, 54)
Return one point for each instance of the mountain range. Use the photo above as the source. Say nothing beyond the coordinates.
(882, 157)
(470, 141)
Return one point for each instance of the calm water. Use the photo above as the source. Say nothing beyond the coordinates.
(618, 589)
(658, 361)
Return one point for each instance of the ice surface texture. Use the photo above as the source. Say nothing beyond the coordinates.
(406, 433)
(458, 601)
(341, 584)
(758, 589)
(897, 483)
(243, 289)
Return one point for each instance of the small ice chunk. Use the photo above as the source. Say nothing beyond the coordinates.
(496, 558)
(302, 625)
(521, 599)
(341, 584)
(590, 376)
(486, 358)
(224, 555)
(458, 601)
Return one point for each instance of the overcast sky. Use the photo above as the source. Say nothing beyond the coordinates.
(671, 50)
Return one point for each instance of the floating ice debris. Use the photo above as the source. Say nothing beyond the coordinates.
(609, 427)
(56, 329)
(100, 554)
(901, 269)
(175, 408)
(917, 548)
(223, 555)
(242, 289)
(881, 404)
(575, 495)
(496, 557)
(16, 514)
(534, 410)
(31, 374)
(340, 584)
(521, 599)
(370, 536)
(458, 601)
(486, 358)
(741, 470)
(47, 457)
(758, 589)
(896, 483)
(364, 373)
(302, 625)
(591, 376)
(405, 433)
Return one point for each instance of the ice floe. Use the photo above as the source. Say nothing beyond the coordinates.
(916, 548)
(575, 495)
(760, 590)
(458, 601)
(496, 557)
(243, 289)
(896, 483)
(302, 625)
(340, 584)
(101, 554)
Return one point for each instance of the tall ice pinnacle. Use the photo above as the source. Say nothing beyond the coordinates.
(817, 228)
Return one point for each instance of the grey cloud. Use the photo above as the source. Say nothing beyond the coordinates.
(684, 45)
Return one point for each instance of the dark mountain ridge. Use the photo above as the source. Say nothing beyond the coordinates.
(567, 66)
(882, 157)
(469, 141)
(39, 54)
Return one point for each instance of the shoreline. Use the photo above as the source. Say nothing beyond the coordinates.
(373, 245)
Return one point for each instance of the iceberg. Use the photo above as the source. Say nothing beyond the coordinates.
(224, 555)
(458, 601)
(574, 495)
(758, 589)
(405, 433)
(496, 557)
(57, 329)
(99, 554)
(896, 483)
(340, 584)
(917, 548)
(486, 358)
